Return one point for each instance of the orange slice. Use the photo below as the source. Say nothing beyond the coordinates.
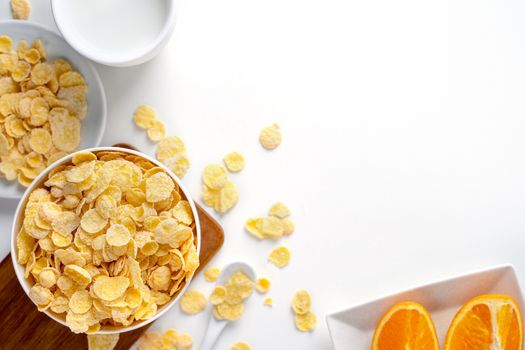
(487, 322)
(406, 325)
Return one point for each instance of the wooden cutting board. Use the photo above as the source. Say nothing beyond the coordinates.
(22, 326)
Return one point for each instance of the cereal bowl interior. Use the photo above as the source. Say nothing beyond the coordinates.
(105, 240)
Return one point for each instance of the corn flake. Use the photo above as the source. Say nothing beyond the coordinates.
(157, 131)
(102, 341)
(234, 161)
(192, 302)
(279, 210)
(144, 116)
(280, 256)
(306, 322)
(270, 137)
(301, 302)
(214, 176)
(211, 274)
(262, 285)
(241, 345)
(268, 301)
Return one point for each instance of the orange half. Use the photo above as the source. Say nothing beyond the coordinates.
(487, 322)
(405, 326)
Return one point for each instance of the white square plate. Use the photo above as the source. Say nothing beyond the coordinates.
(353, 328)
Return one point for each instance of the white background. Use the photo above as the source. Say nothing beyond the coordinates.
(403, 154)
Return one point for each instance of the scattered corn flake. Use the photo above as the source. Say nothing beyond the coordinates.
(170, 147)
(21, 9)
(268, 301)
(184, 341)
(288, 226)
(306, 322)
(230, 312)
(270, 137)
(279, 256)
(262, 285)
(192, 302)
(157, 131)
(144, 116)
(218, 295)
(102, 341)
(234, 161)
(211, 274)
(214, 176)
(279, 210)
(301, 302)
(241, 345)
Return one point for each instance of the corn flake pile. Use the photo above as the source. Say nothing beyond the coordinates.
(41, 106)
(169, 340)
(274, 226)
(305, 320)
(21, 9)
(218, 191)
(228, 300)
(106, 241)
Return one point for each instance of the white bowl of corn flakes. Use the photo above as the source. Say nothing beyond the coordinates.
(105, 240)
(52, 103)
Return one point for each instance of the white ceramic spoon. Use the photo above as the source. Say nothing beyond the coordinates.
(215, 327)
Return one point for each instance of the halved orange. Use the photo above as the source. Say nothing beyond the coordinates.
(487, 322)
(405, 326)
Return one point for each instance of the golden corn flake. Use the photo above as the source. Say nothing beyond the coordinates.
(288, 226)
(157, 131)
(262, 285)
(301, 302)
(6, 44)
(144, 116)
(234, 161)
(102, 341)
(268, 301)
(306, 322)
(280, 256)
(184, 341)
(270, 137)
(80, 302)
(105, 256)
(211, 274)
(158, 187)
(214, 176)
(218, 295)
(21, 9)
(241, 345)
(170, 147)
(279, 210)
(230, 312)
(192, 302)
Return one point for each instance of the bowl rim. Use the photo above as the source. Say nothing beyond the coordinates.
(89, 66)
(99, 56)
(21, 204)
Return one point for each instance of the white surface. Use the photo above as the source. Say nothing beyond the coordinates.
(20, 270)
(403, 152)
(92, 127)
(354, 328)
(116, 32)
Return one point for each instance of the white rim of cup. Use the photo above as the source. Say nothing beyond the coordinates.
(169, 23)
(19, 268)
(91, 69)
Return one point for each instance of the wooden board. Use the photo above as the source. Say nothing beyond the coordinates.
(22, 326)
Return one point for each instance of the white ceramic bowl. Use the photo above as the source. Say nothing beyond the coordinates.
(93, 125)
(19, 269)
(116, 32)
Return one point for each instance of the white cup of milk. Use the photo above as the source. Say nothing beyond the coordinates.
(116, 32)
